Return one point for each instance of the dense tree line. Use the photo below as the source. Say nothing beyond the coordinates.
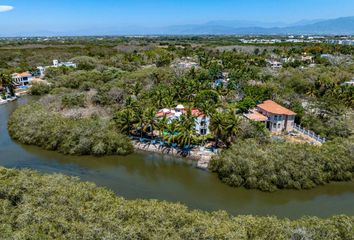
(277, 165)
(34, 206)
(34, 125)
(129, 80)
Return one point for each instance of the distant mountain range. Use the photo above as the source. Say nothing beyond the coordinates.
(339, 26)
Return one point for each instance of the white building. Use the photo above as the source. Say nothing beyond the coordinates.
(348, 83)
(57, 63)
(22, 79)
(202, 121)
(275, 64)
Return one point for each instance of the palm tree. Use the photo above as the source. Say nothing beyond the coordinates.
(125, 120)
(140, 119)
(172, 129)
(217, 126)
(150, 117)
(7, 84)
(232, 127)
(162, 124)
(186, 129)
(130, 103)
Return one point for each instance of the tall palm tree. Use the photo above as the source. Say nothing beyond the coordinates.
(186, 129)
(172, 129)
(7, 84)
(140, 119)
(217, 126)
(150, 117)
(162, 125)
(232, 127)
(125, 120)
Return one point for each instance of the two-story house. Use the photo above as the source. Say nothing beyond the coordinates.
(22, 79)
(276, 117)
(202, 121)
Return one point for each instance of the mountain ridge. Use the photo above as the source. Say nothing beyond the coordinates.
(337, 26)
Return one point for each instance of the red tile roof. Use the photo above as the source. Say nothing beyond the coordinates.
(24, 74)
(274, 108)
(197, 113)
(171, 113)
(256, 116)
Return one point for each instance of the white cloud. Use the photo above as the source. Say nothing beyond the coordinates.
(5, 8)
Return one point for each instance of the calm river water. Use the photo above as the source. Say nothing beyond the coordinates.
(152, 176)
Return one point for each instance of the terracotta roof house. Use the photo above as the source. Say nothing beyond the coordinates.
(276, 117)
(202, 121)
(22, 79)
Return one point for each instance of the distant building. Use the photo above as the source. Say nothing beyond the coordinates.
(306, 58)
(276, 117)
(57, 63)
(202, 121)
(275, 64)
(221, 82)
(40, 71)
(22, 79)
(185, 63)
(348, 83)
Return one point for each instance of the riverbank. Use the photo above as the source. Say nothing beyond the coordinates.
(145, 175)
(87, 212)
(203, 157)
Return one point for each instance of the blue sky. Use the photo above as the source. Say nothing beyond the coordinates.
(70, 15)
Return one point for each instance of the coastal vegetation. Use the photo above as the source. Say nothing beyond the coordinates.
(121, 83)
(33, 125)
(36, 206)
(279, 165)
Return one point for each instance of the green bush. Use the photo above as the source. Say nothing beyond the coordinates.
(73, 100)
(40, 89)
(34, 206)
(276, 165)
(33, 125)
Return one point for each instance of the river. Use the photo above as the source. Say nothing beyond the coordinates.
(153, 176)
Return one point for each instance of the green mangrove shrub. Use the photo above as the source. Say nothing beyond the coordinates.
(276, 165)
(35, 206)
(34, 125)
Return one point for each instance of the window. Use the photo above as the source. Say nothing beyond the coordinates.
(274, 125)
(279, 125)
(203, 131)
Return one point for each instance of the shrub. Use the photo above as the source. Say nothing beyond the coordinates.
(33, 125)
(34, 206)
(40, 89)
(73, 100)
(281, 165)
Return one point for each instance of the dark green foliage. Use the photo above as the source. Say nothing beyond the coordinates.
(34, 206)
(33, 125)
(73, 100)
(85, 63)
(206, 100)
(39, 89)
(275, 165)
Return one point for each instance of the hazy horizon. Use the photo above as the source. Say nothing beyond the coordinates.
(30, 17)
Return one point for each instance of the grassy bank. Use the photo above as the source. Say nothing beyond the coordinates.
(35, 206)
(34, 125)
(273, 166)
